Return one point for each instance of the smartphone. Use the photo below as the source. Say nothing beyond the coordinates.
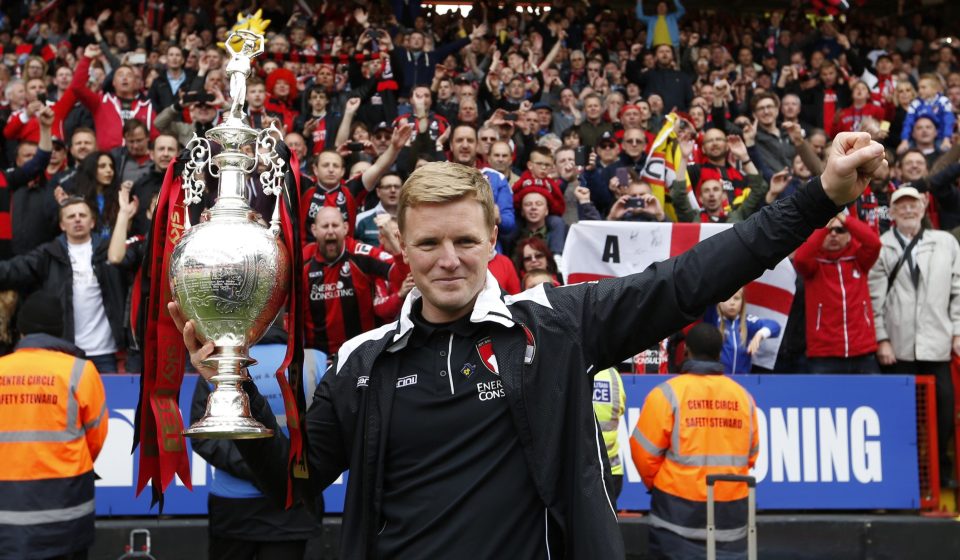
(42, 98)
(623, 175)
(635, 203)
(580, 156)
(355, 146)
(374, 44)
(137, 58)
(510, 117)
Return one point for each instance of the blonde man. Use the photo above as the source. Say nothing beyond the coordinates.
(467, 425)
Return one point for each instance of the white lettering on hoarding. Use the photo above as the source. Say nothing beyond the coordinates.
(810, 444)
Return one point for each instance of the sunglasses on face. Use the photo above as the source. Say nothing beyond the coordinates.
(634, 141)
(838, 230)
(533, 257)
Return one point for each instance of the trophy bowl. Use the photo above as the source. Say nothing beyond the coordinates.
(230, 275)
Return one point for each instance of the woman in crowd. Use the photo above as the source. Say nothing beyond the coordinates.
(97, 181)
(532, 253)
(742, 333)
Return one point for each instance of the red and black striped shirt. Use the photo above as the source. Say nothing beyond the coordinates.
(339, 296)
(348, 196)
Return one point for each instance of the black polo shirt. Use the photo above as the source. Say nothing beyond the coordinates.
(456, 484)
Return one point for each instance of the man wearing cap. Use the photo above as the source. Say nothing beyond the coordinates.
(53, 423)
(544, 117)
(915, 287)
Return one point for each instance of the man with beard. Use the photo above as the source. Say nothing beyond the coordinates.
(339, 283)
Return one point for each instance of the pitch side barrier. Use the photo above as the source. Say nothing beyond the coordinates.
(827, 442)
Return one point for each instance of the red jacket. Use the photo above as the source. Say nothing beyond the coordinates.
(108, 115)
(839, 310)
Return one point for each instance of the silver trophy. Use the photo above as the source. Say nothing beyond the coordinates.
(230, 273)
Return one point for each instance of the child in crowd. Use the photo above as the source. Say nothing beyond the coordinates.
(742, 333)
(933, 104)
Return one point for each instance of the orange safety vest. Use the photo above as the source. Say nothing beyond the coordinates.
(53, 423)
(690, 426)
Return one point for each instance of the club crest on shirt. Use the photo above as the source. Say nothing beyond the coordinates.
(485, 349)
(468, 369)
(345, 269)
(341, 199)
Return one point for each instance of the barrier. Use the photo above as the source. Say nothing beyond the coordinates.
(827, 442)
(928, 462)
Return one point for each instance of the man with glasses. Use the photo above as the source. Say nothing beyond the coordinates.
(540, 219)
(486, 136)
(601, 169)
(775, 148)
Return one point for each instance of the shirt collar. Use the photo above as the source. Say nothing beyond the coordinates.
(488, 308)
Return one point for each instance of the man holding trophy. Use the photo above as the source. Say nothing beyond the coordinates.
(467, 425)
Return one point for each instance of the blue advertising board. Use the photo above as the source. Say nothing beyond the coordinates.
(826, 442)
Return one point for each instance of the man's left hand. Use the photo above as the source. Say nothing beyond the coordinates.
(853, 161)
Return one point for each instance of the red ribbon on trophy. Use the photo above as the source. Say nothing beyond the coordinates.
(163, 451)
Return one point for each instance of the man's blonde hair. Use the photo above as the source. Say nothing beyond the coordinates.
(441, 182)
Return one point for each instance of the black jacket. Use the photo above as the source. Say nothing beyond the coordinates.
(673, 86)
(48, 268)
(161, 94)
(576, 331)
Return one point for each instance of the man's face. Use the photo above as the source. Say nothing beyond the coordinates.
(296, 144)
(422, 95)
(318, 102)
(415, 42)
(501, 158)
(766, 112)
(534, 208)
(631, 118)
(884, 66)
(448, 246)
(25, 153)
(325, 77)
(608, 150)
(164, 150)
(711, 195)
(388, 191)
(715, 145)
(567, 97)
(329, 230)
(329, 169)
(57, 156)
(381, 140)
(907, 212)
(531, 122)
(463, 145)
(913, 167)
(664, 55)
(485, 139)
(543, 117)
(828, 76)
(76, 221)
(445, 90)
(136, 141)
(82, 144)
(34, 88)
(566, 164)
(174, 58)
(256, 96)
(837, 237)
(540, 165)
(125, 82)
(63, 78)
(468, 112)
(634, 142)
(515, 88)
(593, 108)
(790, 107)
(924, 132)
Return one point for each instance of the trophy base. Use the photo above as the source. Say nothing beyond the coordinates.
(228, 428)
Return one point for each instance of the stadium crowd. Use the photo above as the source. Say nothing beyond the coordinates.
(561, 106)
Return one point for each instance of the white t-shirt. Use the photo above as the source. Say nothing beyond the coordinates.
(92, 332)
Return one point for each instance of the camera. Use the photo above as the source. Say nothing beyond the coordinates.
(355, 146)
(635, 203)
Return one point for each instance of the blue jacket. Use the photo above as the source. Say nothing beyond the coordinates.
(418, 68)
(734, 353)
(503, 197)
(672, 18)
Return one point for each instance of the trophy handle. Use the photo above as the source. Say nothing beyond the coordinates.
(272, 177)
(193, 179)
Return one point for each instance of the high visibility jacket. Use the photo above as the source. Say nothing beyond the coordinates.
(53, 422)
(609, 402)
(691, 426)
